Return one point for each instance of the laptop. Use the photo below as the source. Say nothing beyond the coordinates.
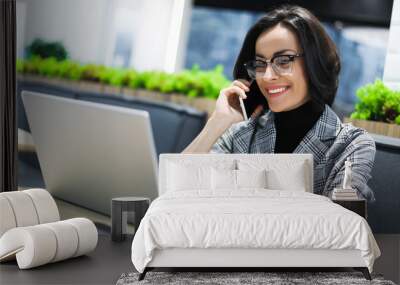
(89, 152)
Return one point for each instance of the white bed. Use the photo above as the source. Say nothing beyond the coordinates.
(202, 220)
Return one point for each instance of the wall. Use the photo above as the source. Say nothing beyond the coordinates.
(154, 32)
(391, 75)
(78, 24)
(160, 42)
(21, 17)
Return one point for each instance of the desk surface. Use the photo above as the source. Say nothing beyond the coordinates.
(102, 266)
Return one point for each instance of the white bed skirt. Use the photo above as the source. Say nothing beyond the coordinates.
(235, 257)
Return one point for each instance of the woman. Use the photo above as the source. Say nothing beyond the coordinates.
(289, 61)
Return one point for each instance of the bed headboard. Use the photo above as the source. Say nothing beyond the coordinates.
(269, 161)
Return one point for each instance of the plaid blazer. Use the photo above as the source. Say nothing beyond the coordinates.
(329, 141)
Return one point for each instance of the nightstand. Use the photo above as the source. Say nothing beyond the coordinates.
(120, 208)
(358, 206)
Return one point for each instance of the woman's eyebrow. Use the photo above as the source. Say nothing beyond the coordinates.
(276, 53)
(283, 51)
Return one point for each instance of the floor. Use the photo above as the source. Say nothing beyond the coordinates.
(111, 259)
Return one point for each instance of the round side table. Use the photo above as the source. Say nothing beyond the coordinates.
(120, 208)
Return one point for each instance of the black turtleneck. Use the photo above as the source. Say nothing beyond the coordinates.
(291, 126)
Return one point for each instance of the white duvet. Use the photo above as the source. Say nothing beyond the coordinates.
(250, 218)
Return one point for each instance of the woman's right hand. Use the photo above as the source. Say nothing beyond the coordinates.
(226, 113)
(228, 106)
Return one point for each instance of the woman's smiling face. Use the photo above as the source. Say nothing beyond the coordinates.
(287, 91)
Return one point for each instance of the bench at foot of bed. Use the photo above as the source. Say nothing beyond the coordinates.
(142, 275)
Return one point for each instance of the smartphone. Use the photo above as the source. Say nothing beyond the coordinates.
(243, 109)
(254, 98)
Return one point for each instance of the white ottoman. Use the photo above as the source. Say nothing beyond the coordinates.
(31, 230)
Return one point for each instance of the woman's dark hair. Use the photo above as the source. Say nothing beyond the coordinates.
(321, 58)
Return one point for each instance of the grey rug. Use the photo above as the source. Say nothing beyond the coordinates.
(229, 278)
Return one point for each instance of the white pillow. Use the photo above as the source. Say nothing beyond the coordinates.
(194, 175)
(223, 179)
(181, 177)
(251, 178)
(292, 180)
(281, 174)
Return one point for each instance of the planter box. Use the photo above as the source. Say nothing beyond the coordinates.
(205, 104)
(112, 90)
(391, 130)
(89, 86)
(60, 82)
(151, 95)
(128, 91)
(199, 103)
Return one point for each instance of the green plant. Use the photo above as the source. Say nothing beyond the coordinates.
(20, 66)
(153, 80)
(136, 80)
(93, 72)
(196, 82)
(31, 65)
(46, 49)
(70, 70)
(377, 102)
(115, 76)
(48, 67)
(193, 82)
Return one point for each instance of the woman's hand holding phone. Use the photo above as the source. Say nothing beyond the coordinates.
(228, 111)
(228, 106)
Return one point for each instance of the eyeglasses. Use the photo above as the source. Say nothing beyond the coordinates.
(281, 64)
